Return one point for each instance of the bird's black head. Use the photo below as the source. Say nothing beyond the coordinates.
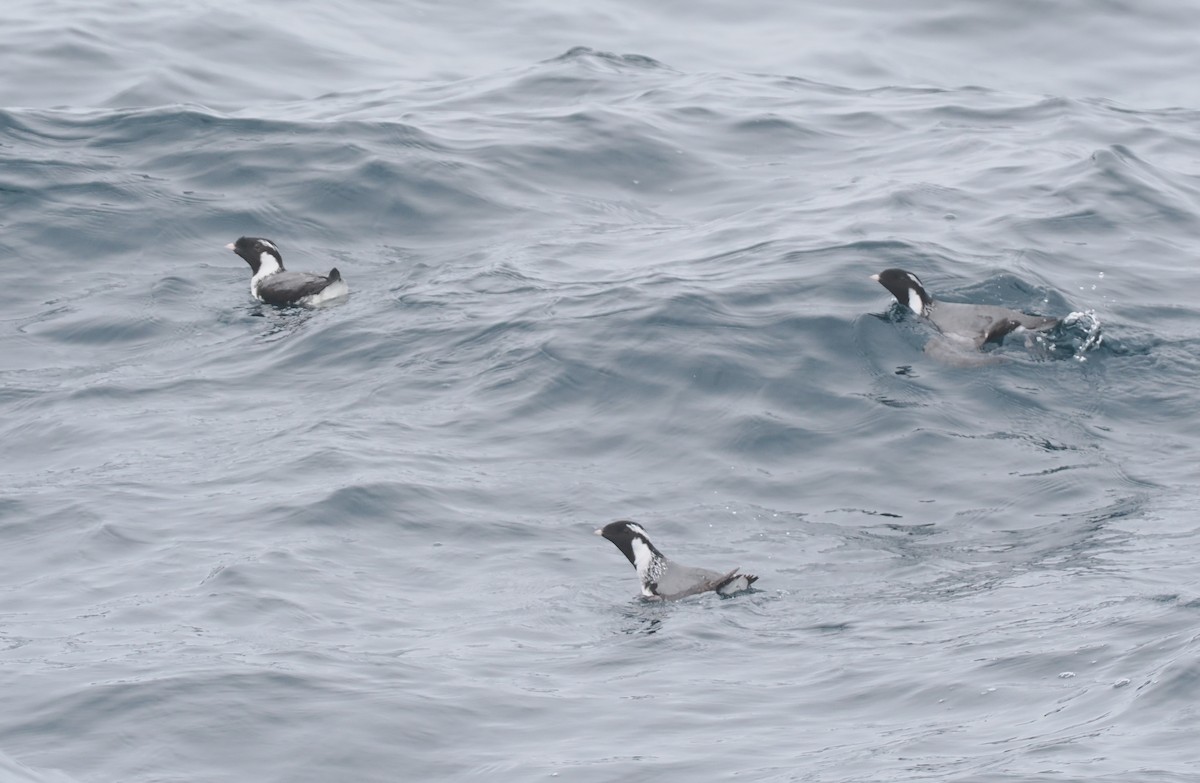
(623, 533)
(906, 288)
(251, 249)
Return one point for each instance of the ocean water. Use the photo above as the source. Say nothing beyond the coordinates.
(606, 261)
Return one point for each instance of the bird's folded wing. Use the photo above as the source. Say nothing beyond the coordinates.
(703, 587)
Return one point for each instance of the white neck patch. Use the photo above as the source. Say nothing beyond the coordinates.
(267, 265)
(642, 557)
(915, 303)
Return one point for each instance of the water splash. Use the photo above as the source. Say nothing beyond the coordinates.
(1077, 335)
(1086, 326)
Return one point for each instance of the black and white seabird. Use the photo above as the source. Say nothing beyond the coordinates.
(273, 284)
(663, 579)
(966, 324)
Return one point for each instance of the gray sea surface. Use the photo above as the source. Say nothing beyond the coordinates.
(606, 260)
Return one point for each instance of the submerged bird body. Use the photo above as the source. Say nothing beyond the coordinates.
(272, 284)
(976, 325)
(663, 579)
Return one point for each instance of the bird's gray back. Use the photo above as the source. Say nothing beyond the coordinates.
(983, 323)
(676, 578)
(293, 284)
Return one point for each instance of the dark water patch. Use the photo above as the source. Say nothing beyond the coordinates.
(590, 149)
(171, 289)
(590, 57)
(102, 331)
(1121, 176)
(350, 507)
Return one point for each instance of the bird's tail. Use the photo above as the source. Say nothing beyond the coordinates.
(734, 582)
